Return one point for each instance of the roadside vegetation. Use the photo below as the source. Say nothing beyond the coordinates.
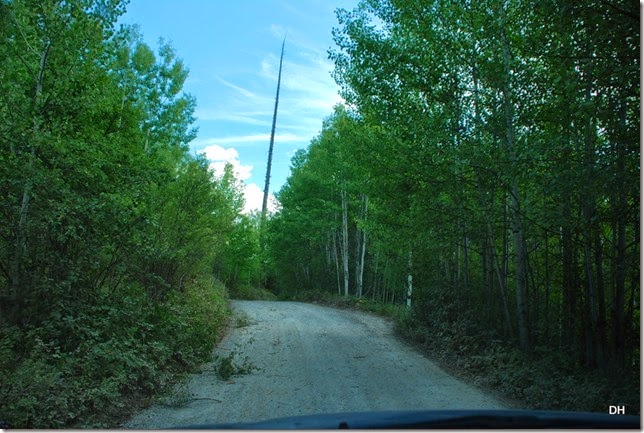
(479, 186)
(483, 173)
(116, 240)
(542, 380)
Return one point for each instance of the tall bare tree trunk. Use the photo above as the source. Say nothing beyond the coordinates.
(269, 162)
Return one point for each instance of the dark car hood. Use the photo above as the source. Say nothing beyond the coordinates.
(440, 419)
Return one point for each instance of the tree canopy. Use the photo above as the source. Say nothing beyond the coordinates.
(112, 231)
(497, 146)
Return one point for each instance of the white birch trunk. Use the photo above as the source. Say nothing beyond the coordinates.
(363, 249)
(336, 259)
(410, 285)
(345, 240)
(17, 265)
(519, 250)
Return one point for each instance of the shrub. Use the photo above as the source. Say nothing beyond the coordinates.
(88, 366)
(252, 293)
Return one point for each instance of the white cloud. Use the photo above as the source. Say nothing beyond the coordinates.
(219, 156)
(254, 196)
(244, 92)
(241, 139)
(218, 153)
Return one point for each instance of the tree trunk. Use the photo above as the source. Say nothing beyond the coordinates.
(337, 261)
(20, 254)
(547, 289)
(466, 263)
(502, 281)
(620, 253)
(345, 240)
(272, 141)
(594, 280)
(409, 279)
(517, 231)
(362, 245)
(375, 286)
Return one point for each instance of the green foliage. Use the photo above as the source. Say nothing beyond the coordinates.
(91, 367)
(496, 144)
(252, 293)
(545, 380)
(240, 263)
(111, 228)
(305, 236)
(196, 318)
(227, 366)
(396, 312)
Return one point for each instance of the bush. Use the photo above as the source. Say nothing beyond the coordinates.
(252, 293)
(88, 366)
(196, 319)
(544, 379)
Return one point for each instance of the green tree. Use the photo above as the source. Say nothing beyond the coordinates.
(499, 155)
(112, 230)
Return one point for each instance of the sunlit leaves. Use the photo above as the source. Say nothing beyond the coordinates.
(111, 228)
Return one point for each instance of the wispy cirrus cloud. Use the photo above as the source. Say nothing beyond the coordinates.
(245, 139)
(308, 89)
(243, 106)
(244, 92)
(252, 118)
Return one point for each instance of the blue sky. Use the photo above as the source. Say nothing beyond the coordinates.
(231, 48)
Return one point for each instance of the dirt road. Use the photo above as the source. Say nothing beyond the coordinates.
(299, 359)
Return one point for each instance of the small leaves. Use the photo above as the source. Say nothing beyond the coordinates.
(110, 227)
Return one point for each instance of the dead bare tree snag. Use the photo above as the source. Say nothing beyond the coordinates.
(270, 146)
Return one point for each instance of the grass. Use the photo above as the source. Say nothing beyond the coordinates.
(393, 311)
(241, 319)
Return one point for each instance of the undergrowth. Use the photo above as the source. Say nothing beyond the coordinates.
(544, 379)
(252, 293)
(398, 313)
(91, 366)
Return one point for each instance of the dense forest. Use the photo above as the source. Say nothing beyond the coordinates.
(481, 179)
(484, 171)
(112, 232)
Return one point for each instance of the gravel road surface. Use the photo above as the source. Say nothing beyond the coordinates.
(302, 359)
